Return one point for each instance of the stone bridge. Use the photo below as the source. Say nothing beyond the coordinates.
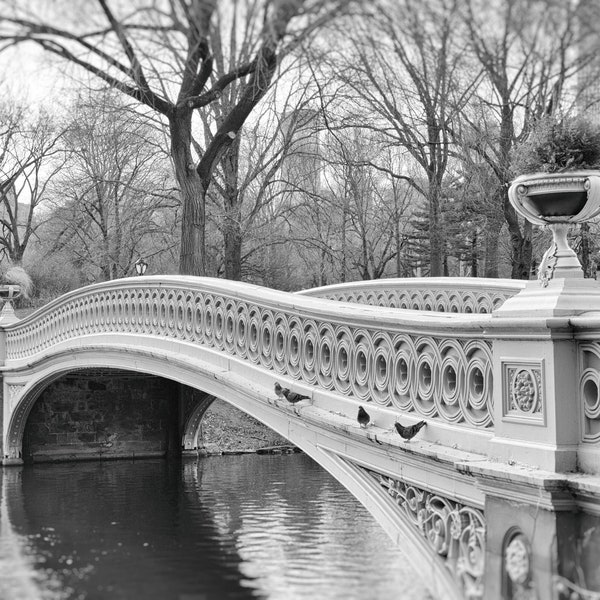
(495, 498)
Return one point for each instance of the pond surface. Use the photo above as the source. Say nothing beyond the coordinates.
(220, 528)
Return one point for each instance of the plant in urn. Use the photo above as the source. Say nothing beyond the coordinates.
(560, 187)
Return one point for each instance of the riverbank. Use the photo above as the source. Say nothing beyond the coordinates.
(227, 430)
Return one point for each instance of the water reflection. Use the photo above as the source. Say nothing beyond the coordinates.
(236, 527)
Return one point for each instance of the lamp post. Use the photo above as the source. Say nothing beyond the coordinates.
(140, 266)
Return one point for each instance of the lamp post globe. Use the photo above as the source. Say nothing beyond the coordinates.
(140, 266)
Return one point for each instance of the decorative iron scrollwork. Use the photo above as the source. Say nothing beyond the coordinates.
(455, 532)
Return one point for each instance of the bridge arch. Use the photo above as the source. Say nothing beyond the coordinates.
(363, 483)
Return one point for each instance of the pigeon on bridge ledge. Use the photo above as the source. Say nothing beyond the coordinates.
(363, 417)
(291, 397)
(279, 390)
(409, 432)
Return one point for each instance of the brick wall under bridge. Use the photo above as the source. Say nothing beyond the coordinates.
(110, 414)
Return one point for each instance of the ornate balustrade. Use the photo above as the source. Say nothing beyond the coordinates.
(438, 366)
(443, 294)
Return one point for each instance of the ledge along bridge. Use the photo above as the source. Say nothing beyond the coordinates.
(497, 496)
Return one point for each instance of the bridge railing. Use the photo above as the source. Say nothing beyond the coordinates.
(438, 366)
(520, 388)
(443, 294)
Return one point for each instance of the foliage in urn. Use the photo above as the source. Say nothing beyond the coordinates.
(17, 276)
(556, 145)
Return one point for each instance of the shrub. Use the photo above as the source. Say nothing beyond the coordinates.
(554, 146)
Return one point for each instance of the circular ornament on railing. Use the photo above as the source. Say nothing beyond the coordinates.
(188, 317)
(254, 327)
(197, 318)
(343, 358)
(241, 331)
(162, 315)
(219, 323)
(147, 313)
(294, 348)
(267, 337)
(477, 401)
(179, 315)
(403, 373)
(452, 377)
(325, 355)
(361, 364)
(230, 327)
(280, 343)
(426, 374)
(589, 390)
(209, 319)
(381, 378)
(309, 352)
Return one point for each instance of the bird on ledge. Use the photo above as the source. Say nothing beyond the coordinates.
(291, 397)
(278, 390)
(409, 432)
(363, 417)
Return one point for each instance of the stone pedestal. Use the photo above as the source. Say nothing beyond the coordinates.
(538, 408)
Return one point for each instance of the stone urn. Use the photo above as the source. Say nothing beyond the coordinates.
(9, 292)
(557, 200)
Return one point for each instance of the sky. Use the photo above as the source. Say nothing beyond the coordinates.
(27, 75)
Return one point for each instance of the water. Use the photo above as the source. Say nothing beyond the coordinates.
(220, 528)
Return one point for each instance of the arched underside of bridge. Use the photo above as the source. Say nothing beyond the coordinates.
(442, 533)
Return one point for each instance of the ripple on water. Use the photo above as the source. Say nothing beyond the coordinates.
(222, 528)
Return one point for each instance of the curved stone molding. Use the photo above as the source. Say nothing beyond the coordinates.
(589, 390)
(443, 375)
(456, 295)
(454, 531)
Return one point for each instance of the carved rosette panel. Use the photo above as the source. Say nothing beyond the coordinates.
(523, 391)
(518, 580)
(435, 376)
(454, 531)
(589, 390)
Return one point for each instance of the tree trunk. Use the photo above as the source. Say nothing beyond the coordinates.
(494, 222)
(232, 214)
(474, 256)
(435, 235)
(192, 257)
(521, 247)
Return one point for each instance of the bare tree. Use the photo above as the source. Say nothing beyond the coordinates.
(30, 157)
(163, 56)
(529, 52)
(111, 200)
(403, 68)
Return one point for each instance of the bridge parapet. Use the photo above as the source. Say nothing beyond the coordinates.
(435, 366)
(442, 294)
(518, 388)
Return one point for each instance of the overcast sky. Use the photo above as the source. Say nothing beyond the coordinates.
(26, 72)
